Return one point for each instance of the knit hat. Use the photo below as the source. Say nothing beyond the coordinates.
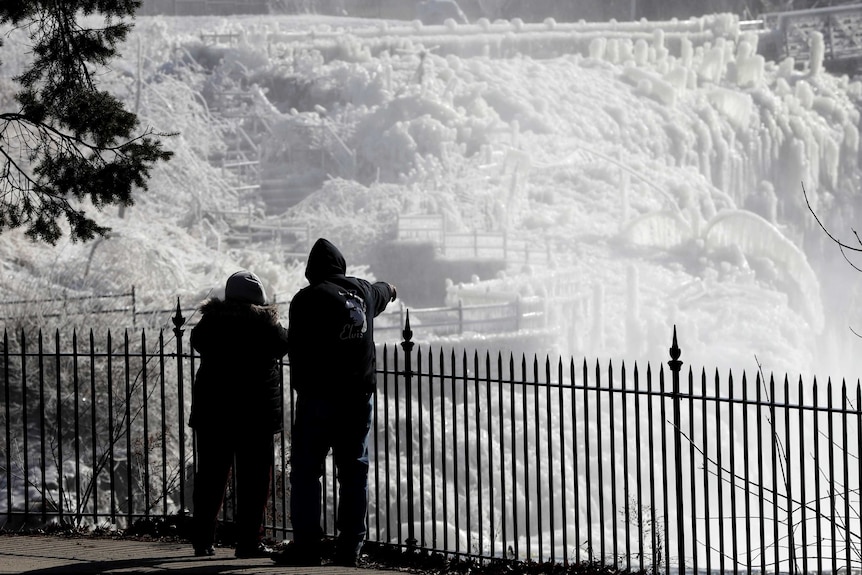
(246, 287)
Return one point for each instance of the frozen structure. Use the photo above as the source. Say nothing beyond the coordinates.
(659, 165)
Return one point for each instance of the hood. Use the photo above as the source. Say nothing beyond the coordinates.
(324, 261)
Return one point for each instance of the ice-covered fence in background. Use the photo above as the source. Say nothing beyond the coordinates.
(475, 245)
(482, 455)
(506, 313)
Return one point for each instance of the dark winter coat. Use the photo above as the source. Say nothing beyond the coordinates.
(331, 325)
(237, 383)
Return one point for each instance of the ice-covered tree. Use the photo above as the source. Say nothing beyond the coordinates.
(70, 147)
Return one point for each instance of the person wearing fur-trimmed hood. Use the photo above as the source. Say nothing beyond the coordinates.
(236, 409)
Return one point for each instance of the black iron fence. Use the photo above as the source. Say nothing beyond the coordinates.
(491, 456)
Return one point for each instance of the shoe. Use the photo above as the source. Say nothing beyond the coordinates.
(297, 556)
(204, 551)
(253, 552)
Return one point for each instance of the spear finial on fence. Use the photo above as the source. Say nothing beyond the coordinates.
(178, 320)
(675, 352)
(407, 333)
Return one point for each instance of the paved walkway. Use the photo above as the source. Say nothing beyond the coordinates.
(51, 554)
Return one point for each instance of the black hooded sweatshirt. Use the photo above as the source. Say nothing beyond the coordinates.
(331, 325)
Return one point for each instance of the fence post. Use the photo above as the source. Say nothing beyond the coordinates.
(407, 346)
(178, 321)
(675, 364)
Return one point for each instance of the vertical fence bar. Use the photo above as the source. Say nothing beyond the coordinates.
(478, 436)
(444, 487)
(692, 474)
(421, 427)
(489, 422)
(77, 428)
(145, 459)
(526, 450)
(178, 320)
(376, 418)
(745, 471)
(380, 399)
(731, 430)
(164, 429)
(664, 464)
(587, 466)
(25, 439)
(467, 483)
(707, 522)
(858, 411)
(613, 451)
(7, 419)
(42, 451)
(130, 501)
(432, 416)
(719, 470)
(61, 479)
(775, 488)
(599, 464)
(761, 476)
(831, 457)
(576, 479)
(788, 472)
(549, 429)
(639, 471)
(279, 472)
(845, 467)
(537, 441)
(407, 346)
(562, 451)
(675, 365)
(96, 467)
(627, 516)
(502, 454)
(818, 516)
(111, 438)
(398, 454)
(803, 503)
(513, 451)
(453, 366)
(654, 549)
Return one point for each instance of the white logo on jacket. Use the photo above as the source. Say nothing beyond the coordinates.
(356, 325)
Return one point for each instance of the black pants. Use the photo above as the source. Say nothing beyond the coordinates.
(216, 452)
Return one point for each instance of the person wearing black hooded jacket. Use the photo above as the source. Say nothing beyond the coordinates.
(236, 410)
(333, 372)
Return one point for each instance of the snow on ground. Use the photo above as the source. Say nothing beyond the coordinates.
(663, 163)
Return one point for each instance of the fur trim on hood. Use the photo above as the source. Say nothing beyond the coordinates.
(227, 308)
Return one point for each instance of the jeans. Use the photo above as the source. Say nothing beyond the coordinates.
(342, 424)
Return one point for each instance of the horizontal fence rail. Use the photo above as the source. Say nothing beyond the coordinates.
(486, 456)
